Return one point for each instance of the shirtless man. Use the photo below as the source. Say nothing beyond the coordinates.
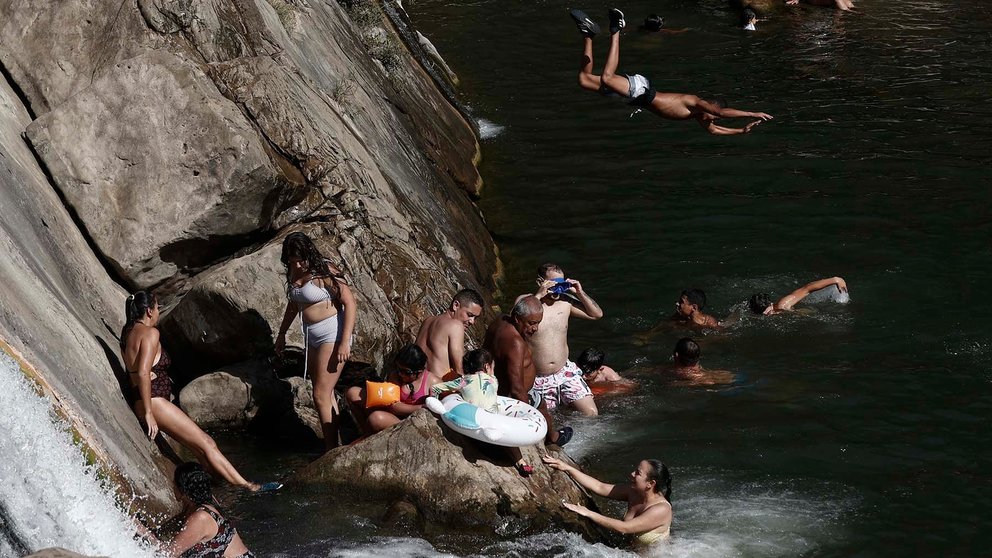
(672, 106)
(761, 303)
(687, 369)
(506, 339)
(689, 310)
(839, 4)
(559, 380)
(442, 337)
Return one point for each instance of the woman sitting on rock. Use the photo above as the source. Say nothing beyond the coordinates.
(147, 364)
(648, 497)
(206, 533)
(414, 381)
(316, 290)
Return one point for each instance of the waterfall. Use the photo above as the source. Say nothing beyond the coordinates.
(49, 496)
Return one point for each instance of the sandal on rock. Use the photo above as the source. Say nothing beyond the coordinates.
(524, 469)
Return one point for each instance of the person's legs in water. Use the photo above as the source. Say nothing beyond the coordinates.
(610, 80)
(174, 422)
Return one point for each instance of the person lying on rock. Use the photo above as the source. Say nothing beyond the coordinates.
(206, 533)
(147, 365)
(479, 387)
(637, 88)
(318, 293)
(414, 381)
(442, 337)
(648, 497)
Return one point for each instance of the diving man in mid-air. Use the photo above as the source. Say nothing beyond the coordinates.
(673, 106)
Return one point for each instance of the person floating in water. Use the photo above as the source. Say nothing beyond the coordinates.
(761, 303)
(689, 310)
(654, 23)
(839, 4)
(637, 88)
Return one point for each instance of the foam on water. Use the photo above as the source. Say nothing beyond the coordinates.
(489, 129)
(49, 497)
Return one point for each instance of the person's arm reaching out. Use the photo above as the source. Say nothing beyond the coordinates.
(793, 298)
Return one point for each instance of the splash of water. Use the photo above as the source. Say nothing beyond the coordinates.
(49, 496)
(488, 129)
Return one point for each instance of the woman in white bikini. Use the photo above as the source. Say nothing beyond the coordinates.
(316, 290)
(648, 497)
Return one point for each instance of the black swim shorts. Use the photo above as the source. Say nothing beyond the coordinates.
(645, 99)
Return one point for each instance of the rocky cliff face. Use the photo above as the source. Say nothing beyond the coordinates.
(171, 144)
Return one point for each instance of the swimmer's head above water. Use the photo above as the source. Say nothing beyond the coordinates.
(761, 304)
(526, 315)
(194, 483)
(689, 301)
(653, 23)
(590, 360)
(686, 352)
(748, 19)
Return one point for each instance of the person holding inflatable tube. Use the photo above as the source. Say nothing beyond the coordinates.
(648, 496)
(761, 303)
(375, 411)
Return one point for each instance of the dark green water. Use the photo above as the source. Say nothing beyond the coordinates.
(859, 429)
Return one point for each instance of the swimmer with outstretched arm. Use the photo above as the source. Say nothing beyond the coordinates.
(648, 497)
(672, 106)
(761, 303)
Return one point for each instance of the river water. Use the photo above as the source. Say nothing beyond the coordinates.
(857, 429)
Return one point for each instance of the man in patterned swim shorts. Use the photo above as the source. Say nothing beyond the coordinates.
(559, 381)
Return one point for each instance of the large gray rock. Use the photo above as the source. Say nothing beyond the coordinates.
(236, 396)
(171, 180)
(60, 312)
(449, 480)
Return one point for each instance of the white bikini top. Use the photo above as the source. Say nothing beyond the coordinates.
(308, 294)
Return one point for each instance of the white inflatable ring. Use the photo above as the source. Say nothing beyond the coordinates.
(516, 423)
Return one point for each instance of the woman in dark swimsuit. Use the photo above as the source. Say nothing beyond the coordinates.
(147, 364)
(206, 533)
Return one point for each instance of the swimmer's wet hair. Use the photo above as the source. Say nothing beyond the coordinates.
(590, 360)
(687, 352)
(543, 270)
(476, 361)
(662, 478)
(194, 483)
(412, 357)
(759, 302)
(695, 296)
(653, 22)
(467, 297)
(747, 15)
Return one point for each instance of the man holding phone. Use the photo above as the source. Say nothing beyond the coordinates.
(559, 380)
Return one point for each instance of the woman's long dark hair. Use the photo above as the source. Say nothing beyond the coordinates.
(299, 245)
(194, 483)
(662, 478)
(135, 308)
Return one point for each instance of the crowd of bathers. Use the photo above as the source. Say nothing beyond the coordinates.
(524, 353)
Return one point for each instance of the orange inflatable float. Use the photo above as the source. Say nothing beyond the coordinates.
(381, 394)
(600, 389)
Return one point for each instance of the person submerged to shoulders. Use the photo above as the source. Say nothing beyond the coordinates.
(601, 378)
(687, 369)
